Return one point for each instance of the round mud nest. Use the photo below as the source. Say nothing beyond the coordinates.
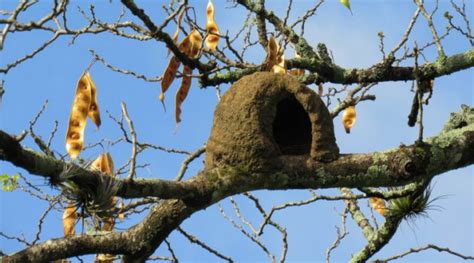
(266, 115)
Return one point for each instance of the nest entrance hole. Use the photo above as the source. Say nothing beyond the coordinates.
(292, 127)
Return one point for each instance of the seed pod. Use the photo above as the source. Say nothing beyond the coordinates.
(93, 113)
(280, 67)
(196, 43)
(378, 204)
(178, 25)
(172, 68)
(69, 220)
(78, 117)
(104, 164)
(212, 30)
(347, 4)
(273, 50)
(182, 92)
(349, 118)
(297, 71)
(121, 215)
(320, 89)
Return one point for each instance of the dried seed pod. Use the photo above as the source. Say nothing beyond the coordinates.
(182, 92)
(280, 67)
(212, 30)
(94, 113)
(69, 220)
(349, 118)
(320, 89)
(78, 117)
(297, 71)
(273, 53)
(121, 215)
(378, 204)
(104, 164)
(172, 68)
(178, 25)
(196, 43)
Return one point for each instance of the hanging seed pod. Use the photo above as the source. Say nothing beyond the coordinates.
(378, 204)
(69, 220)
(178, 25)
(93, 113)
(172, 68)
(196, 43)
(349, 118)
(182, 92)
(78, 117)
(212, 30)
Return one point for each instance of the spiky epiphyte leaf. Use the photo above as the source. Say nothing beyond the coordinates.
(412, 206)
(94, 199)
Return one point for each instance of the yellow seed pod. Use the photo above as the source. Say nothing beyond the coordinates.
(172, 68)
(69, 220)
(178, 25)
(297, 71)
(94, 113)
(212, 30)
(182, 92)
(78, 117)
(378, 204)
(349, 118)
(121, 215)
(273, 53)
(280, 67)
(104, 164)
(196, 43)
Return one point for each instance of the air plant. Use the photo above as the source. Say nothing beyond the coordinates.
(94, 198)
(414, 205)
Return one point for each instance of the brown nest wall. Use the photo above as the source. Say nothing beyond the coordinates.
(266, 115)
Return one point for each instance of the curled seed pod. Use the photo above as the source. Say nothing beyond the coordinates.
(212, 30)
(172, 68)
(78, 117)
(94, 113)
(349, 118)
(182, 92)
(280, 67)
(69, 220)
(378, 204)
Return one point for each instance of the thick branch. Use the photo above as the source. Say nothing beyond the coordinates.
(453, 148)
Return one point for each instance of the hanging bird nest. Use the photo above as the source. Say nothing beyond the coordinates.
(264, 116)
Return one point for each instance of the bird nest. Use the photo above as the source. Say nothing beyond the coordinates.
(264, 116)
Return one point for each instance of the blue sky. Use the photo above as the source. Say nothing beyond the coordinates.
(381, 125)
